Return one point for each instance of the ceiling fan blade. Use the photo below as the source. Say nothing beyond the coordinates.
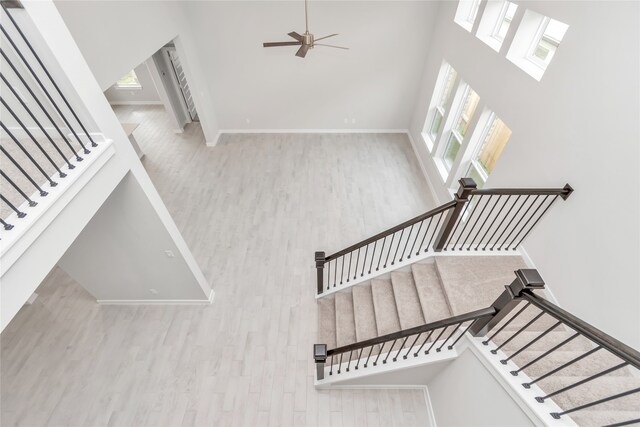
(302, 52)
(275, 44)
(326, 37)
(329, 45)
(295, 36)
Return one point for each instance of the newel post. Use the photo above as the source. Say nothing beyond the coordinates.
(526, 280)
(320, 257)
(320, 357)
(467, 185)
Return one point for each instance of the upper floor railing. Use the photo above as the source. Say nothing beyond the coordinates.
(43, 137)
(516, 330)
(475, 220)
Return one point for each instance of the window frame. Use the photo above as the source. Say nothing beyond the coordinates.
(436, 107)
(452, 132)
(501, 18)
(540, 36)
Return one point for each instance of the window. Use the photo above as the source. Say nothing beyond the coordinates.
(442, 94)
(461, 124)
(495, 136)
(507, 12)
(129, 81)
(536, 43)
(466, 13)
(547, 41)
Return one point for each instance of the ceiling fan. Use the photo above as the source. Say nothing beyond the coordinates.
(306, 41)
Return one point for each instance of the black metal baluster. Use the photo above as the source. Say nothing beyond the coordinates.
(586, 380)
(13, 208)
(529, 220)
(393, 236)
(390, 350)
(426, 231)
(435, 231)
(536, 222)
(436, 340)
(415, 240)
(506, 323)
(476, 222)
(349, 269)
(506, 200)
(561, 367)
(502, 222)
(24, 150)
(375, 362)
(349, 363)
(373, 256)
(400, 349)
(460, 219)
(460, 336)
(355, 270)
(335, 272)
(328, 275)
(342, 270)
(35, 55)
(35, 119)
(468, 221)
(414, 343)
(495, 351)
(6, 225)
(359, 356)
(44, 89)
(423, 343)
(340, 363)
(557, 415)
(331, 367)
(483, 223)
(515, 215)
(30, 135)
(395, 256)
(518, 223)
(381, 252)
(366, 362)
(407, 243)
(364, 260)
(42, 107)
(17, 165)
(530, 343)
(18, 189)
(545, 354)
(449, 337)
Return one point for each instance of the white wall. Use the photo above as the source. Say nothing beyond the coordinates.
(129, 33)
(147, 94)
(466, 394)
(373, 82)
(579, 125)
(120, 254)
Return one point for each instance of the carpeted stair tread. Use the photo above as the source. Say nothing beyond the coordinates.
(546, 343)
(407, 301)
(474, 282)
(345, 319)
(365, 316)
(384, 303)
(327, 321)
(432, 299)
(596, 389)
(599, 417)
(592, 364)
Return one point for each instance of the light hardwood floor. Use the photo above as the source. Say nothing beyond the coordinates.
(253, 210)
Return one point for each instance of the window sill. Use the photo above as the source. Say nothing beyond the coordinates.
(528, 66)
(427, 141)
(442, 168)
(465, 24)
(127, 87)
(491, 41)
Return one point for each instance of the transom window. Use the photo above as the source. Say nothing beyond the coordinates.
(507, 12)
(466, 13)
(129, 81)
(547, 40)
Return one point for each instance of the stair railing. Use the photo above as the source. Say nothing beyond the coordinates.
(478, 324)
(475, 220)
(41, 142)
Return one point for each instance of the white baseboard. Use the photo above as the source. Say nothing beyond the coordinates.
(135, 103)
(346, 130)
(158, 301)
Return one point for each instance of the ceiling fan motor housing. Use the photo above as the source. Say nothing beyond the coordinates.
(307, 38)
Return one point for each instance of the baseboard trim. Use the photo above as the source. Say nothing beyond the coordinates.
(302, 131)
(158, 302)
(135, 103)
